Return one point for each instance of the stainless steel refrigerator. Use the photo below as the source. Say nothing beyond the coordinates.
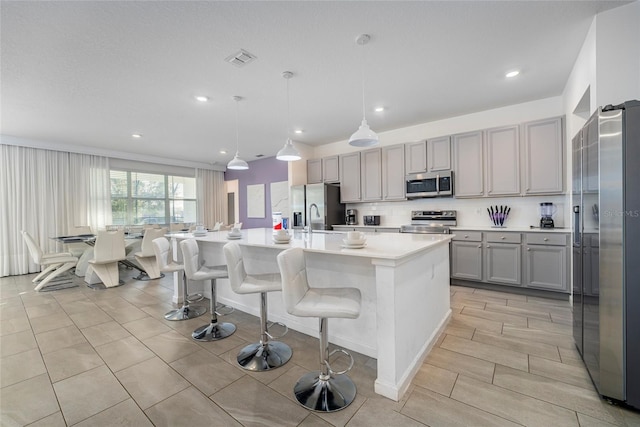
(606, 250)
(316, 206)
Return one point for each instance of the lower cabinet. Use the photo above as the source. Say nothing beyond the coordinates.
(466, 260)
(503, 262)
(546, 267)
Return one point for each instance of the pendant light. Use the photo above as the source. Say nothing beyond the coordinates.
(364, 136)
(288, 153)
(237, 163)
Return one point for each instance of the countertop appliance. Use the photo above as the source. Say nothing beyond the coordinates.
(371, 219)
(316, 206)
(546, 214)
(351, 218)
(431, 222)
(431, 184)
(605, 230)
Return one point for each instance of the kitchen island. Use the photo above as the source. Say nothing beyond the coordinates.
(404, 281)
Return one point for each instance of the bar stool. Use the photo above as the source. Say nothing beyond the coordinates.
(325, 390)
(265, 354)
(162, 250)
(214, 330)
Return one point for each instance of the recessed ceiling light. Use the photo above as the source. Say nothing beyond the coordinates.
(202, 98)
(136, 135)
(223, 151)
(298, 131)
(379, 109)
(512, 73)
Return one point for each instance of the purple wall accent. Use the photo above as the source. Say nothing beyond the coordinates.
(263, 171)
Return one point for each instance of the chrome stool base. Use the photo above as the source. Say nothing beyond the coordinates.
(330, 395)
(260, 357)
(213, 331)
(186, 312)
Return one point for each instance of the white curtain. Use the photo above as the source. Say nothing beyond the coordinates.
(45, 192)
(212, 198)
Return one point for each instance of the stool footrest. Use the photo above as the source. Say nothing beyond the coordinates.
(222, 306)
(343, 351)
(275, 337)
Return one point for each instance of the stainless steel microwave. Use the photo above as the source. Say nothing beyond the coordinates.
(432, 184)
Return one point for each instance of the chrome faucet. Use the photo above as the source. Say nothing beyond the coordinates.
(311, 206)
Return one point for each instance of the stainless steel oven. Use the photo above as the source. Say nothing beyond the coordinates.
(432, 184)
(430, 222)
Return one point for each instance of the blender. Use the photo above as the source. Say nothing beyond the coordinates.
(546, 214)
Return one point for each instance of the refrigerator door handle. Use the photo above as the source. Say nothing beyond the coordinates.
(576, 226)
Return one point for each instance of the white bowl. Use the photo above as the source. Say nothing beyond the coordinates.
(354, 242)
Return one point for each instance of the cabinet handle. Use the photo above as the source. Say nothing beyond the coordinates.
(466, 236)
(528, 249)
(502, 237)
(546, 239)
(480, 246)
(488, 246)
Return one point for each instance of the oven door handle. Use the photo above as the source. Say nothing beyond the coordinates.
(438, 184)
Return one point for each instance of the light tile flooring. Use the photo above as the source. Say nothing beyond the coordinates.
(102, 358)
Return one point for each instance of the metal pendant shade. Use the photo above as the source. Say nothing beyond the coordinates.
(237, 163)
(288, 153)
(364, 136)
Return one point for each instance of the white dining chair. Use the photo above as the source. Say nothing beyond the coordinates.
(147, 257)
(108, 251)
(77, 249)
(55, 263)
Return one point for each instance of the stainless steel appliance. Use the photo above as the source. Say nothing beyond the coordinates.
(433, 184)
(546, 214)
(371, 219)
(606, 271)
(431, 222)
(352, 217)
(316, 206)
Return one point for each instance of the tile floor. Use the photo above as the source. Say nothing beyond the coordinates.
(101, 358)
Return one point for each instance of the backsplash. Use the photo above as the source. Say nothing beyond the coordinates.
(471, 212)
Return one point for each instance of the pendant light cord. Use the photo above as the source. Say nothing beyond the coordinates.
(288, 111)
(237, 130)
(364, 116)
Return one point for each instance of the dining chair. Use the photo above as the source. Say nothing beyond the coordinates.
(108, 250)
(147, 257)
(55, 263)
(176, 226)
(77, 249)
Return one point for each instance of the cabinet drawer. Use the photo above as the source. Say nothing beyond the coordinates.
(496, 237)
(546, 239)
(468, 236)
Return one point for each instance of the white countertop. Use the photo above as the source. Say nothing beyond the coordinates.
(378, 245)
(511, 229)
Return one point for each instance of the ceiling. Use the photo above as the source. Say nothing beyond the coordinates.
(93, 73)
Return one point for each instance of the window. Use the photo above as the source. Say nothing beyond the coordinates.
(148, 198)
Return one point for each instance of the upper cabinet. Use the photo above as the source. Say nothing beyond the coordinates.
(543, 157)
(323, 170)
(314, 171)
(350, 178)
(468, 160)
(503, 161)
(330, 169)
(393, 176)
(439, 154)
(415, 157)
(371, 174)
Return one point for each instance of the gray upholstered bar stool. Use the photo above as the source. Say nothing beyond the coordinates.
(325, 390)
(265, 354)
(191, 255)
(166, 264)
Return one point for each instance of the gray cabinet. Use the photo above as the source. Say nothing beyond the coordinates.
(330, 169)
(545, 261)
(468, 160)
(543, 157)
(371, 174)
(416, 157)
(503, 258)
(439, 154)
(466, 255)
(350, 177)
(314, 171)
(393, 176)
(503, 161)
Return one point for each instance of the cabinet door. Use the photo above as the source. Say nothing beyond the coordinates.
(543, 157)
(439, 154)
(314, 171)
(467, 163)
(393, 177)
(503, 263)
(416, 157)
(466, 260)
(371, 174)
(503, 161)
(546, 267)
(350, 177)
(330, 169)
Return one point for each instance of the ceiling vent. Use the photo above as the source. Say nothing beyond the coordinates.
(240, 58)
